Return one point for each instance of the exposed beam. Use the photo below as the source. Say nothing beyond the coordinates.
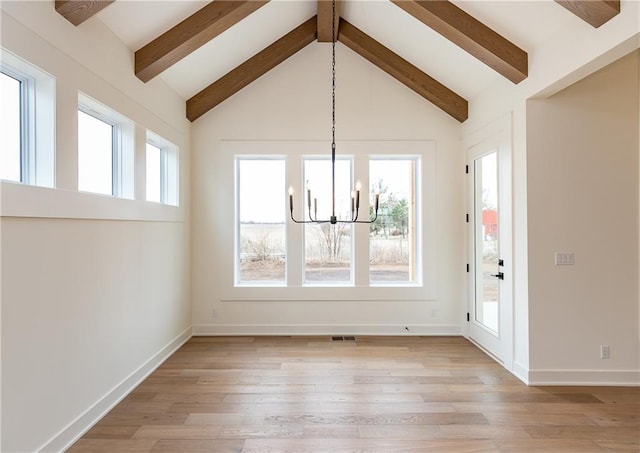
(77, 11)
(252, 69)
(471, 35)
(594, 12)
(190, 34)
(405, 72)
(325, 20)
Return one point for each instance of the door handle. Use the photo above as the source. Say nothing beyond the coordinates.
(499, 275)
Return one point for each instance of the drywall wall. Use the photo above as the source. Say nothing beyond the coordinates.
(582, 174)
(572, 53)
(95, 290)
(292, 103)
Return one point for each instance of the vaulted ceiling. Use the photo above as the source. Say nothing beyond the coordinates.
(447, 52)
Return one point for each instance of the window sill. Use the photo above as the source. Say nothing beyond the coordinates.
(21, 200)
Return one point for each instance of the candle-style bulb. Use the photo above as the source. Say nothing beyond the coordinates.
(290, 190)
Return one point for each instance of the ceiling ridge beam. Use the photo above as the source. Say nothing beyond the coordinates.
(325, 23)
(593, 12)
(77, 11)
(252, 69)
(471, 35)
(190, 34)
(403, 71)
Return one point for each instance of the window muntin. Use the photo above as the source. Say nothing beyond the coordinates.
(97, 155)
(328, 248)
(261, 217)
(392, 239)
(154, 173)
(12, 153)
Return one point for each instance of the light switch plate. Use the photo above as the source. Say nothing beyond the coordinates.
(564, 259)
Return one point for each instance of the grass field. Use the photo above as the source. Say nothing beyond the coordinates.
(262, 256)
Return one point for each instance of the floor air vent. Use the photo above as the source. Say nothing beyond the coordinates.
(343, 338)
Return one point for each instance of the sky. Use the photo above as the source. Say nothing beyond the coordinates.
(264, 193)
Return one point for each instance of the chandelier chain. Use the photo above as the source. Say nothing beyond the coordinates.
(333, 74)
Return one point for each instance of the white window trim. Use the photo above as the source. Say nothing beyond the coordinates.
(425, 289)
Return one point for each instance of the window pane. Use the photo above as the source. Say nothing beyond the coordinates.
(327, 247)
(154, 173)
(95, 155)
(392, 253)
(262, 197)
(10, 149)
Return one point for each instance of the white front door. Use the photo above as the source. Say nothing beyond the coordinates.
(490, 313)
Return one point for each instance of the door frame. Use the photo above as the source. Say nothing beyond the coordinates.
(495, 136)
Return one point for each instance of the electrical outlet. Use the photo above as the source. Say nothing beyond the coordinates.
(214, 313)
(604, 351)
(434, 312)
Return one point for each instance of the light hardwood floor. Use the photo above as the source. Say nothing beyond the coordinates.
(377, 394)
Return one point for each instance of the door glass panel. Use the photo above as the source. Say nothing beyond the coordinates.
(487, 298)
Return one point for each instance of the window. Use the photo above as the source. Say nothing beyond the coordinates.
(392, 248)
(27, 138)
(12, 157)
(161, 173)
(96, 156)
(155, 161)
(385, 253)
(328, 248)
(260, 220)
(105, 150)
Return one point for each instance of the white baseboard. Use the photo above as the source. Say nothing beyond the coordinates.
(67, 436)
(312, 329)
(584, 377)
(521, 372)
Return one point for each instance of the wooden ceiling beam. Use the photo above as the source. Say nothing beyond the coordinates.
(252, 69)
(403, 71)
(594, 12)
(471, 35)
(77, 11)
(190, 34)
(325, 20)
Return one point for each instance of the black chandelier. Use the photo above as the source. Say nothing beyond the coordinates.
(355, 196)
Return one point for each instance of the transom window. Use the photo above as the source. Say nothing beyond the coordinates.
(27, 122)
(97, 155)
(12, 155)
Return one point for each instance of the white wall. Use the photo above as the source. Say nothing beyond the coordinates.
(292, 103)
(95, 290)
(582, 172)
(564, 58)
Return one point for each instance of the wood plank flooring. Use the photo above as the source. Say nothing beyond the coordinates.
(376, 394)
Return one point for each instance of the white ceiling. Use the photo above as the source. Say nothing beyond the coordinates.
(525, 23)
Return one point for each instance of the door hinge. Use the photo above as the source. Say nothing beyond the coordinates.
(466, 169)
(467, 217)
(467, 268)
(468, 317)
